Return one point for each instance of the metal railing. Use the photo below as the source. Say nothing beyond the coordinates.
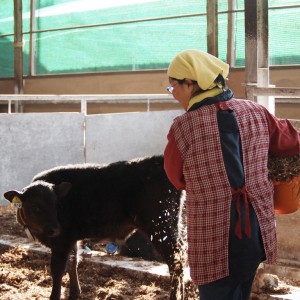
(283, 95)
(286, 94)
(148, 99)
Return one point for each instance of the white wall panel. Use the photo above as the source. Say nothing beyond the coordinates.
(114, 137)
(30, 143)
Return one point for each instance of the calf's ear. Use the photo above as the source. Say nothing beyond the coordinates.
(10, 195)
(14, 197)
(62, 189)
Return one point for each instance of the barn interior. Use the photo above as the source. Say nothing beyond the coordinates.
(61, 104)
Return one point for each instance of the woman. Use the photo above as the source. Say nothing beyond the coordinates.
(218, 152)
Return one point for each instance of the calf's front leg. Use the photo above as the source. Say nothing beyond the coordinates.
(58, 267)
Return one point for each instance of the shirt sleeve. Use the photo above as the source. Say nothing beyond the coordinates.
(173, 163)
(284, 137)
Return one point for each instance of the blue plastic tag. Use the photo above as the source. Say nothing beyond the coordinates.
(111, 248)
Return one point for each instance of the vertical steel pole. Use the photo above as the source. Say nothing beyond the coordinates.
(231, 53)
(251, 41)
(212, 27)
(32, 41)
(263, 71)
(18, 47)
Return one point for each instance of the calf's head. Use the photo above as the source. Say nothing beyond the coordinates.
(37, 206)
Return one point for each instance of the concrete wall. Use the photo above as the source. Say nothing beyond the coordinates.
(30, 143)
(112, 137)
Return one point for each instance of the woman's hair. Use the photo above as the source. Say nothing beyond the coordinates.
(180, 81)
(220, 81)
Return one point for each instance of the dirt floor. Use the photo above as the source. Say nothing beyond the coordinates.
(25, 275)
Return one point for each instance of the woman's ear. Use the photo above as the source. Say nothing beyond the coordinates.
(192, 84)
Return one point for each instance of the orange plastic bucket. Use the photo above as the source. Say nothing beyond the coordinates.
(287, 196)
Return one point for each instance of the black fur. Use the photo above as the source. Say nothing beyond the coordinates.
(71, 203)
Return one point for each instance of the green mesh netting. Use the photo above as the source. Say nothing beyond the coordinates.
(120, 44)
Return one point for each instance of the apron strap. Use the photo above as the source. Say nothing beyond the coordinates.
(239, 195)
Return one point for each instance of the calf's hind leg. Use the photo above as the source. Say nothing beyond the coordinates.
(138, 244)
(72, 269)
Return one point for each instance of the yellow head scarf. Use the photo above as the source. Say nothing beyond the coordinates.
(199, 66)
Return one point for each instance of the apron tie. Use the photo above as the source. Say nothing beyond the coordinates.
(237, 196)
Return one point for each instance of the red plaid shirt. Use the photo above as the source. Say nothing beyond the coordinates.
(194, 161)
